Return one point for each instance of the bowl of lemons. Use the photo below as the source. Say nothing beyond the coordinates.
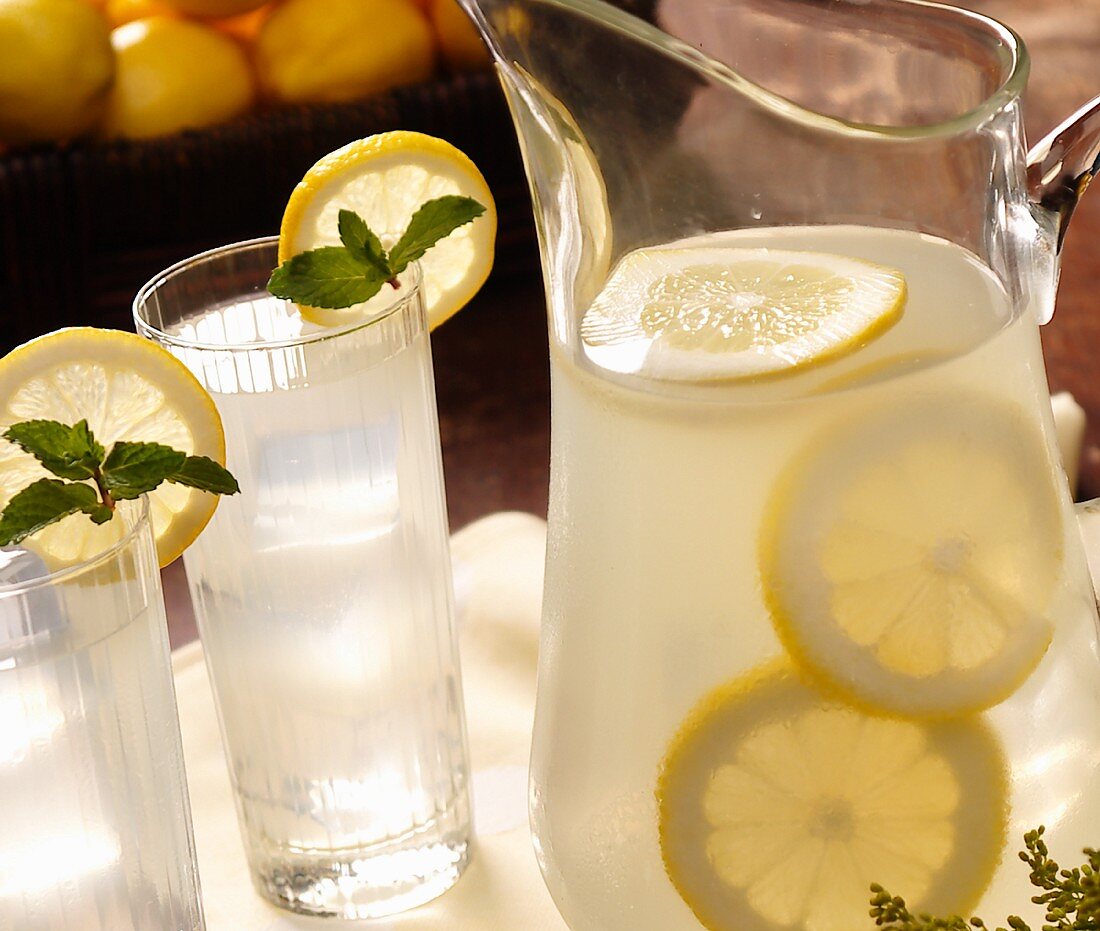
(134, 133)
(138, 69)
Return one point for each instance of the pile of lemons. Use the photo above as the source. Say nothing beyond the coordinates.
(142, 68)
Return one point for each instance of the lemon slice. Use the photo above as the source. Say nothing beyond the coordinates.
(127, 388)
(779, 808)
(384, 179)
(909, 561)
(707, 312)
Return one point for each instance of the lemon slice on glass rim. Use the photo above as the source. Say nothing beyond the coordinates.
(779, 807)
(384, 179)
(127, 388)
(727, 313)
(909, 560)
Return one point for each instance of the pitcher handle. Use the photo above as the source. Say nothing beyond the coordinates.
(1061, 165)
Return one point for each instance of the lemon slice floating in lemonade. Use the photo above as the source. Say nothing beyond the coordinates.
(778, 809)
(737, 313)
(909, 561)
(384, 179)
(127, 388)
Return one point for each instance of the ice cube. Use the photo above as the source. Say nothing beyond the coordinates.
(35, 610)
(327, 488)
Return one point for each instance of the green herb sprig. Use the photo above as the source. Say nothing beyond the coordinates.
(349, 274)
(1071, 897)
(91, 480)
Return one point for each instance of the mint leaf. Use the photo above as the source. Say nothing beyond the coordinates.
(205, 474)
(327, 277)
(68, 452)
(43, 502)
(432, 222)
(360, 241)
(132, 469)
(86, 441)
(343, 276)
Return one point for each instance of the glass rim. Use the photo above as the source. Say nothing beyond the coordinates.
(142, 520)
(1011, 49)
(146, 328)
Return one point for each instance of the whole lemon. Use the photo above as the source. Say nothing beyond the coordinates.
(215, 8)
(243, 26)
(334, 50)
(120, 12)
(459, 40)
(174, 74)
(56, 67)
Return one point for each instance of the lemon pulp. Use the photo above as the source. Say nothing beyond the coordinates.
(778, 808)
(706, 312)
(908, 561)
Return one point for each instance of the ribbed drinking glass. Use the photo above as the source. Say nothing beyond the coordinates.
(323, 590)
(95, 833)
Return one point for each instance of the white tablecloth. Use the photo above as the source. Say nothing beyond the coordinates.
(498, 581)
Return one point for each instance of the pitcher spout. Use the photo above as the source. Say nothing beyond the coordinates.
(596, 99)
(753, 114)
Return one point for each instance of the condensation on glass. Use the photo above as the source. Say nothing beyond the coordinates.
(96, 833)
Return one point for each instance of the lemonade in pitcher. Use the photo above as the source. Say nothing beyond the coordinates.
(816, 605)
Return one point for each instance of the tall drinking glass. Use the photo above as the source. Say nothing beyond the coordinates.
(94, 826)
(323, 590)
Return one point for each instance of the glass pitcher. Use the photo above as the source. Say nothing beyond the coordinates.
(817, 614)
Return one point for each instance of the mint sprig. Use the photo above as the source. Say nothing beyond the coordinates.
(98, 479)
(343, 276)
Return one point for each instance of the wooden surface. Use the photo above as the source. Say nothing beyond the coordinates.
(491, 362)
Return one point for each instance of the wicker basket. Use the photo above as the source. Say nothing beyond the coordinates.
(82, 228)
